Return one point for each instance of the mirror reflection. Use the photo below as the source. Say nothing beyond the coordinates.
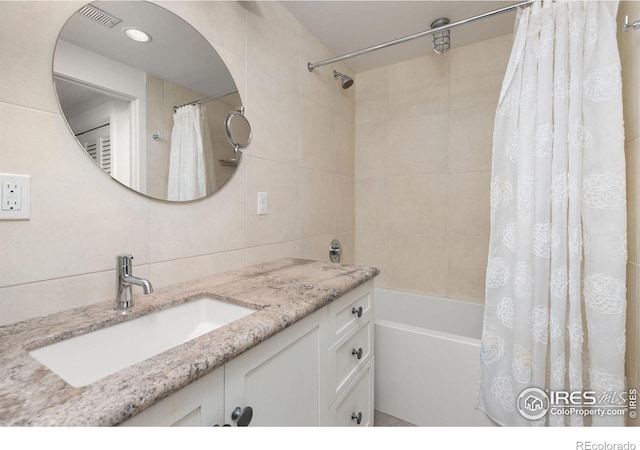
(147, 98)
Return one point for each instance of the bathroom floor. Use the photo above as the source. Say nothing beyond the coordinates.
(381, 419)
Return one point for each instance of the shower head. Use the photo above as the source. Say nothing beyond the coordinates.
(441, 39)
(345, 80)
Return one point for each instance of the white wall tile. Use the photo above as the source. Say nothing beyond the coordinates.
(273, 108)
(419, 86)
(215, 224)
(344, 204)
(273, 42)
(418, 145)
(422, 170)
(64, 256)
(318, 147)
(75, 207)
(265, 253)
(280, 181)
(371, 149)
(317, 204)
(28, 35)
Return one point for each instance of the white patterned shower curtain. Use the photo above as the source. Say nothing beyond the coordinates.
(555, 285)
(190, 146)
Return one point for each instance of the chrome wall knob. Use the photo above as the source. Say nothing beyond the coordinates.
(335, 250)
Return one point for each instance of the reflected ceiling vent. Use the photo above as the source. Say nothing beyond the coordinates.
(98, 15)
(441, 39)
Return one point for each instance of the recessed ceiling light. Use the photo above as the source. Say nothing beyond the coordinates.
(136, 35)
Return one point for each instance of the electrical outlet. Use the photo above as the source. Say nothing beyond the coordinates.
(11, 196)
(15, 196)
(263, 203)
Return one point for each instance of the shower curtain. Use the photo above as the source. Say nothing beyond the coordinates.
(555, 284)
(190, 149)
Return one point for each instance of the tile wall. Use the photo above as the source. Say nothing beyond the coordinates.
(302, 155)
(424, 131)
(629, 44)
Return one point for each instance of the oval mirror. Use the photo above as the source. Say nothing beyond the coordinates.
(147, 97)
(238, 129)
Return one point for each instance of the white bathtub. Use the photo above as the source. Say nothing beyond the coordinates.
(427, 359)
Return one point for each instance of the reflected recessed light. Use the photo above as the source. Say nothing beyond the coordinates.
(136, 35)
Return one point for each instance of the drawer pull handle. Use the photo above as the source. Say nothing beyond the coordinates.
(357, 417)
(357, 353)
(242, 415)
(357, 311)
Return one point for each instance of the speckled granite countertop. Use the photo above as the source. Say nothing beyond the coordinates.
(282, 292)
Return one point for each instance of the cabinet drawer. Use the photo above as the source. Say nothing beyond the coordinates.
(356, 404)
(350, 312)
(347, 356)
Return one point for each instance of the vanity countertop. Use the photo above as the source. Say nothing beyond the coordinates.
(282, 291)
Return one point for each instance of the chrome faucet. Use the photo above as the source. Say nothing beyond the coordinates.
(124, 280)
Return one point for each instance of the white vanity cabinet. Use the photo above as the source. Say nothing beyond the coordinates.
(199, 404)
(276, 383)
(350, 358)
(355, 406)
(280, 378)
(317, 372)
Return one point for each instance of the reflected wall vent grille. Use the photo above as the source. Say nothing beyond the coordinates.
(105, 154)
(98, 15)
(100, 150)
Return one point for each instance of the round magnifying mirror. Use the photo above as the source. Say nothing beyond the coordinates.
(238, 129)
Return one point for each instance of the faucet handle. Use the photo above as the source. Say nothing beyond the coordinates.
(123, 262)
(124, 258)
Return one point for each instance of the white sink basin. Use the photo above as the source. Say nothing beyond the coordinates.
(83, 359)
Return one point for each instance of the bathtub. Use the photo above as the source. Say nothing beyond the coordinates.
(427, 359)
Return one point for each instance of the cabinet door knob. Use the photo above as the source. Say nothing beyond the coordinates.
(357, 311)
(357, 417)
(357, 353)
(242, 416)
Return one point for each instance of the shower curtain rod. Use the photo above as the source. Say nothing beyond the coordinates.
(208, 99)
(411, 37)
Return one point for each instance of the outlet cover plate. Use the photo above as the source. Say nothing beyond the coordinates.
(20, 197)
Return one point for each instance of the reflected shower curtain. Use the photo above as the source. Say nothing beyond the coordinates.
(187, 171)
(555, 285)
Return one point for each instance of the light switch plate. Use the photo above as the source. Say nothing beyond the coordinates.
(15, 193)
(263, 203)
